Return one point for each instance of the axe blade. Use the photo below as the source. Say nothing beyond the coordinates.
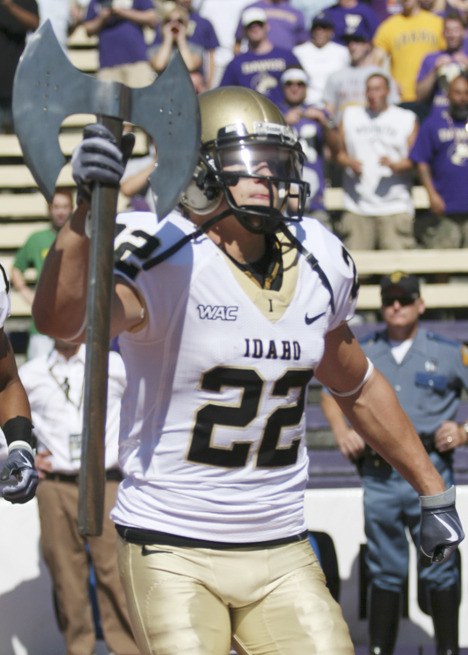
(48, 88)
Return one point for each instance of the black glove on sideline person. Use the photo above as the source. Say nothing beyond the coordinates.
(441, 529)
(98, 159)
(19, 469)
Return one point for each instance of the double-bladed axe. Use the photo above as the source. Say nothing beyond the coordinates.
(47, 89)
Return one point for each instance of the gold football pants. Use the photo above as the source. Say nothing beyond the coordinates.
(193, 601)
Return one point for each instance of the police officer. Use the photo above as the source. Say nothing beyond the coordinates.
(428, 372)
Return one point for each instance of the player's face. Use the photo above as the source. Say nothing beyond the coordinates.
(60, 210)
(258, 166)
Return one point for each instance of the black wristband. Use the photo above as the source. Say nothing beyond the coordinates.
(19, 429)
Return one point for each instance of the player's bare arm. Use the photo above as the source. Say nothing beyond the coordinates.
(59, 307)
(374, 411)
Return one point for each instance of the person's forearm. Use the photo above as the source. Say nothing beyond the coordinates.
(19, 283)
(95, 25)
(425, 87)
(161, 57)
(59, 307)
(146, 18)
(378, 417)
(27, 18)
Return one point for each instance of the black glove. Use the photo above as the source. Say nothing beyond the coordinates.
(441, 529)
(19, 469)
(98, 159)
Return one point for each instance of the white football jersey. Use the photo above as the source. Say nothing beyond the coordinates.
(212, 426)
(5, 301)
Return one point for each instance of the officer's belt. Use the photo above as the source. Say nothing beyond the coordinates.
(113, 475)
(427, 440)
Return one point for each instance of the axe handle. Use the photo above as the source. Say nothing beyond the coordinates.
(98, 309)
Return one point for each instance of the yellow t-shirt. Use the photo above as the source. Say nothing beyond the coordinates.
(407, 40)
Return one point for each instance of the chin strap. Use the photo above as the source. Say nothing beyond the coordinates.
(185, 239)
(311, 260)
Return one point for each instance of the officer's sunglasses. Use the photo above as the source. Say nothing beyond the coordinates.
(404, 301)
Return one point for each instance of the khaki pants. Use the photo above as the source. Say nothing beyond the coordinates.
(64, 551)
(392, 232)
(192, 601)
(443, 231)
(132, 75)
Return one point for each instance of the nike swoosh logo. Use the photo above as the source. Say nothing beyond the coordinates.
(453, 536)
(311, 319)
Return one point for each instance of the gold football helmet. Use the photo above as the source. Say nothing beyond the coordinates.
(239, 129)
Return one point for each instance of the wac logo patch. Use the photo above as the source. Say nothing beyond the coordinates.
(218, 312)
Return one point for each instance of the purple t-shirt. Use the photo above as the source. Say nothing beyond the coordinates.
(347, 19)
(286, 24)
(445, 74)
(442, 143)
(200, 32)
(260, 72)
(121, 41)
(312, 139)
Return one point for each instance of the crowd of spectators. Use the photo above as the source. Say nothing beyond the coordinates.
(419, 45)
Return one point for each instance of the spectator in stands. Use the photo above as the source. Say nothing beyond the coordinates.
(200, 32)
(402, 41)
(320, 56)
(312, 125)
(347, 86)
(31, 256)
(54, 384)
(346, 15)
(286, 24)
(441, 155)
(374, 143)
(119, 24)
(18, 475)
(428, 373)
(17, 19)
(64, 16)
(174, 26)
(438, 68)
(261, 66)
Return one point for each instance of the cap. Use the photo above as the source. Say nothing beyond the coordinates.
(402, 282)
(294, 75)
(359, 32)
(254, 15)
(322, 20)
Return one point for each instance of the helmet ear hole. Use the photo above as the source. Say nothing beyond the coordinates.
(203, 195)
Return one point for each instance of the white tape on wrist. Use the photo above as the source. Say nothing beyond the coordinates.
(346, 394)
(20, 444)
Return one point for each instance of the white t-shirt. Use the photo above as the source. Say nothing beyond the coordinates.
(55, 388)
(377, 191)
(320, 63)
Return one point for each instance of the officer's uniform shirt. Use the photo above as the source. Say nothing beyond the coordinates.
(212, 440)
(429, 379)
(55, 388)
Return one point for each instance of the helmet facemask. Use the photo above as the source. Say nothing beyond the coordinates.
(272, 155)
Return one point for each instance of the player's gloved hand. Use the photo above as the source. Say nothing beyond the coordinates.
(20, 470)
(99, 159)
(441, 529)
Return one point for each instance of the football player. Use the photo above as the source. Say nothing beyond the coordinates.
(18, 475)
(224, 311)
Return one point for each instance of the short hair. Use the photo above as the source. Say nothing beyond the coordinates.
(382, 75)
